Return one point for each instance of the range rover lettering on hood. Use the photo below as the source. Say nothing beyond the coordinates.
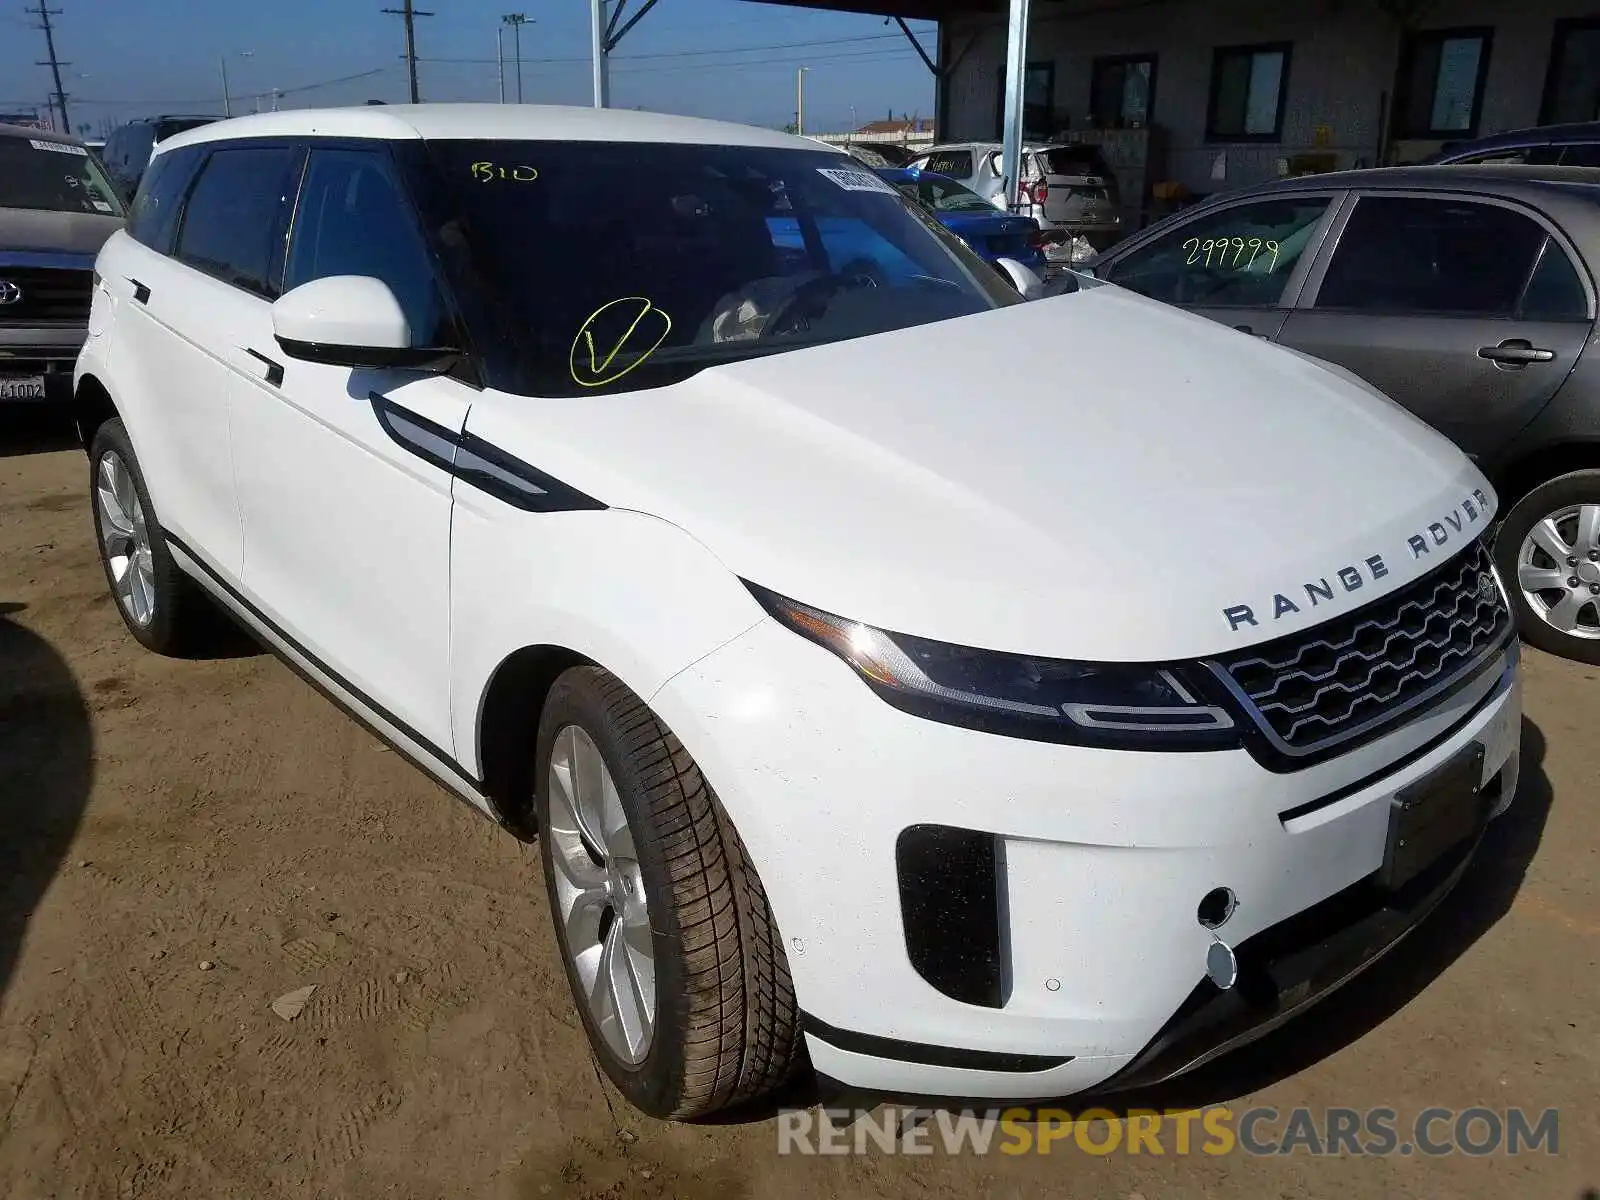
(1473, 511)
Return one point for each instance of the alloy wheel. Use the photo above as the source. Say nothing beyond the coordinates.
(600, 896)
(125, 539)
(1558, 570)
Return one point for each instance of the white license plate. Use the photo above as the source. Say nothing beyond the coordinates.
(25, 387)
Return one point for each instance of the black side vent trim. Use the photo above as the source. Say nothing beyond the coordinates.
(478, 463)
(950, 910)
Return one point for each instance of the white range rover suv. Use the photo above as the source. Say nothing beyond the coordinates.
(966, 740)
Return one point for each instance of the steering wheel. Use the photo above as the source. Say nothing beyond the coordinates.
(809, 299)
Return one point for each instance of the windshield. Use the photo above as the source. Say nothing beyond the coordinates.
(945, 195)
(59, 176)
(613, 266)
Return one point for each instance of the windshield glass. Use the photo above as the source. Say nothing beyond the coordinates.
(945, 195)
(613, 266)
(43, 173)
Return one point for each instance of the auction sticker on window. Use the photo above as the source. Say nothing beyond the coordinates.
(856, 181)
(58, 147)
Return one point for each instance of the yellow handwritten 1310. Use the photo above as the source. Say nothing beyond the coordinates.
(488, 172)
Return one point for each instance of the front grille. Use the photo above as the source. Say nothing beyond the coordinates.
(50, 295)
(1355, 675)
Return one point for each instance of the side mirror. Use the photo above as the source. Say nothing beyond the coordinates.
(1022, 278)
(350, 321)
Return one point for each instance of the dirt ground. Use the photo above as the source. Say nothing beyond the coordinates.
(158, 816)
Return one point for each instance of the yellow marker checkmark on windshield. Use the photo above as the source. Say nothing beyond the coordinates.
(589, 369)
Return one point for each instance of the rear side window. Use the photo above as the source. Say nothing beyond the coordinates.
(957, 163)
(234, 219)
(154, 215)
(1585, 154)
(1555, 292)
(1401, 254)
(354, 220)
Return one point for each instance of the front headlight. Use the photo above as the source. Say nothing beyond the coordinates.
(1120, 706)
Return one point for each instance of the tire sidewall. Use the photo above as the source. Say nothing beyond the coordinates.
(1579, 487)
(655, 1084)
(158, 634)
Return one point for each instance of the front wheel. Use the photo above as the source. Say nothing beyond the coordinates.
(671, 951)
(1548, 553)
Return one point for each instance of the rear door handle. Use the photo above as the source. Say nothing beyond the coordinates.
(141, 294)
(274, 370)
(1517, 352)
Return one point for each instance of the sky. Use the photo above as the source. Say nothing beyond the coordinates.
(731, 59)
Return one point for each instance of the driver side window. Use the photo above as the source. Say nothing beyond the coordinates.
(1241, 256)
(354, 220)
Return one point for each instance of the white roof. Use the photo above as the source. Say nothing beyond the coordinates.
(527, 122)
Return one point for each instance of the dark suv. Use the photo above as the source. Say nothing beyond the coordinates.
(128, 149)
(56, 210)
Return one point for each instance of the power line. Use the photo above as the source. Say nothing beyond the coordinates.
(410, 14)
(874, 37)
(822, 63)
(44, 14)
(147, 102)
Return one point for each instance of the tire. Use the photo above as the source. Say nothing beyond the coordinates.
(724, 1028)
(1552, 536)
(162, 607)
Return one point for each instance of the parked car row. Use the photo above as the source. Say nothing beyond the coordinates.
(958, 738)
(1067, 187)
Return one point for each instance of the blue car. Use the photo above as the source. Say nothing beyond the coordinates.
(990, 232)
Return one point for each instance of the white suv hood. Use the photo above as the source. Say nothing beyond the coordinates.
(1093, 476)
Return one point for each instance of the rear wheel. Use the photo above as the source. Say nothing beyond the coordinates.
(1548, 552)
(671, 951)
(162, 607)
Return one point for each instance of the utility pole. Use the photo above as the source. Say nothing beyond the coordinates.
(500, 59)
(599, 37)
(410, 14)
(517, 20)
(800, 99)
(44, 14)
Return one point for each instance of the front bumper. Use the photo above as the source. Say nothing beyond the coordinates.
(1100, 861)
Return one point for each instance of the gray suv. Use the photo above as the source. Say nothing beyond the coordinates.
(1465, 293)
(56, 209)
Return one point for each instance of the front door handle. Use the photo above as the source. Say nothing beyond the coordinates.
(274, 370)
(1517, 352)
